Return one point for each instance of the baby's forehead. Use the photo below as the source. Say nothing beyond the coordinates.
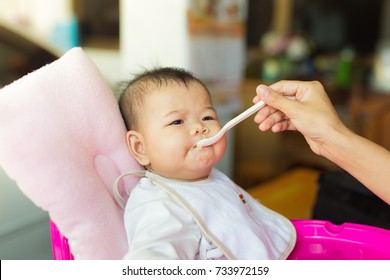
(175, 86)
(178, 96)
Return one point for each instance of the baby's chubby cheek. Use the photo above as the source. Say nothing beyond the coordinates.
(220, 147)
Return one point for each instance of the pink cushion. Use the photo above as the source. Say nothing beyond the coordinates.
(62, 139)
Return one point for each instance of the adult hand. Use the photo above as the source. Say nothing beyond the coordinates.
(302, 106)
(305, 106)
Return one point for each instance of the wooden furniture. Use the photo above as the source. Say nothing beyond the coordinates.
(370, 116)
(291, 194)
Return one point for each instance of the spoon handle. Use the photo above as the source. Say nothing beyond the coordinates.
(248, 112)
(230, 124)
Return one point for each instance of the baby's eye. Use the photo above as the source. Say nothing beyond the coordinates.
(177, 122)
(208, 118)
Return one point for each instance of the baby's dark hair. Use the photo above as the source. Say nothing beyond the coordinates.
(134, 92)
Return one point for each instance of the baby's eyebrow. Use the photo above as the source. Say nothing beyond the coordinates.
(174, 112)
(211, 108)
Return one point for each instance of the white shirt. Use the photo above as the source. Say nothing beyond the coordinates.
(207, 219)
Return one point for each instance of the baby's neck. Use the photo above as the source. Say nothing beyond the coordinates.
(182, 179)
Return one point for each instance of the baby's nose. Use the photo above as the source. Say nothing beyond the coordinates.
(199, 129)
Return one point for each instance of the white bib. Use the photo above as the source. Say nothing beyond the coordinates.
(236, 223)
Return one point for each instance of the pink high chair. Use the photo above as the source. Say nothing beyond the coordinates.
(316, 240)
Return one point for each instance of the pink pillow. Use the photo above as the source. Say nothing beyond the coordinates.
(62, 139)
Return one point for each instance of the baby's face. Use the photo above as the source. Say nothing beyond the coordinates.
(176, 118)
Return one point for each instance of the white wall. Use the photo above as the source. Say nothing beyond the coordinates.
(153, 33)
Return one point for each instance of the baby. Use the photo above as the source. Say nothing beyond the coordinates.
(183, 208)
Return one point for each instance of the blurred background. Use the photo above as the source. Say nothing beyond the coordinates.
(233, 46)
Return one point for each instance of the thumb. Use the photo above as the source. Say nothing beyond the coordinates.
(273, 98)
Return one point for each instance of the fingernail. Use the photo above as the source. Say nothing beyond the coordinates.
(263, 90)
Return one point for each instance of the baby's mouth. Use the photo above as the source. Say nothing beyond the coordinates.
(199, 147)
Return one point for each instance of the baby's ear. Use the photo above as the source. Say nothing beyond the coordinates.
(135, 143)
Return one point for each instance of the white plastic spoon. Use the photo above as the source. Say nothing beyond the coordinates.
(210, 141)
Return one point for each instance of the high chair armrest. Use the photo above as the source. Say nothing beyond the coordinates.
(59, 243)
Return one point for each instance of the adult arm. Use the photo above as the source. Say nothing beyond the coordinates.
(305, 106)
